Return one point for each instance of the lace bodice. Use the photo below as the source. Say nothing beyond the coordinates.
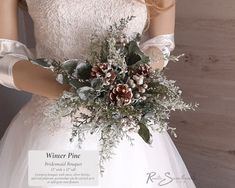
(63, 27)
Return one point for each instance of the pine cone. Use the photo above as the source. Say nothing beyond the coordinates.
(99, 69)
(109, 77)
(144, 69)
(121, 94)
(105, 71)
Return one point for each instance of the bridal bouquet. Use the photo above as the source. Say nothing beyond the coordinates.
(119, 90)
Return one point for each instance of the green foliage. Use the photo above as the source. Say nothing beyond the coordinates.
(83, 70)
(104, 52)
(144, 133)
(134, 54)
(69, 65)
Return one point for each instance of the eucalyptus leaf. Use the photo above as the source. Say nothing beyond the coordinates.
(86, 93)
(96, 83)
(83, 70)
(144, 133)
(70, 65)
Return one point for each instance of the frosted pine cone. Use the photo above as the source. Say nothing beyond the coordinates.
(121, 94)
(144, 69)
(105, 71)
(99, 69)
(109, 77)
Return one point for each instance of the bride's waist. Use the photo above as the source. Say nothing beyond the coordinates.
(40, 101)
(39, 107)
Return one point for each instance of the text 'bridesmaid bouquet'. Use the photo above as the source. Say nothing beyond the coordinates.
(119, 90)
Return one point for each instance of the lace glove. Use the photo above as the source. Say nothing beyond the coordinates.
(11, 51)
(164, 42)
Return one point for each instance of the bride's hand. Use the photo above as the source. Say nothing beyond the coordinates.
(156, 57)
(37, 80)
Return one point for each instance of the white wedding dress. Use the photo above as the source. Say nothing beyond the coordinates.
(62, 29)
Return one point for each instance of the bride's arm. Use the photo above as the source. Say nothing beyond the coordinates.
(26, 76)
(163, 22)
(161, 31)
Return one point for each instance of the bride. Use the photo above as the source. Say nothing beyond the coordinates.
(62, 29)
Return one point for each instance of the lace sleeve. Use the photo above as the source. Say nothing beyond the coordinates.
(164, 42)
(11, 51)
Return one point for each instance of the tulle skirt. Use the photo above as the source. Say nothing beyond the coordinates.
(133, 166)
